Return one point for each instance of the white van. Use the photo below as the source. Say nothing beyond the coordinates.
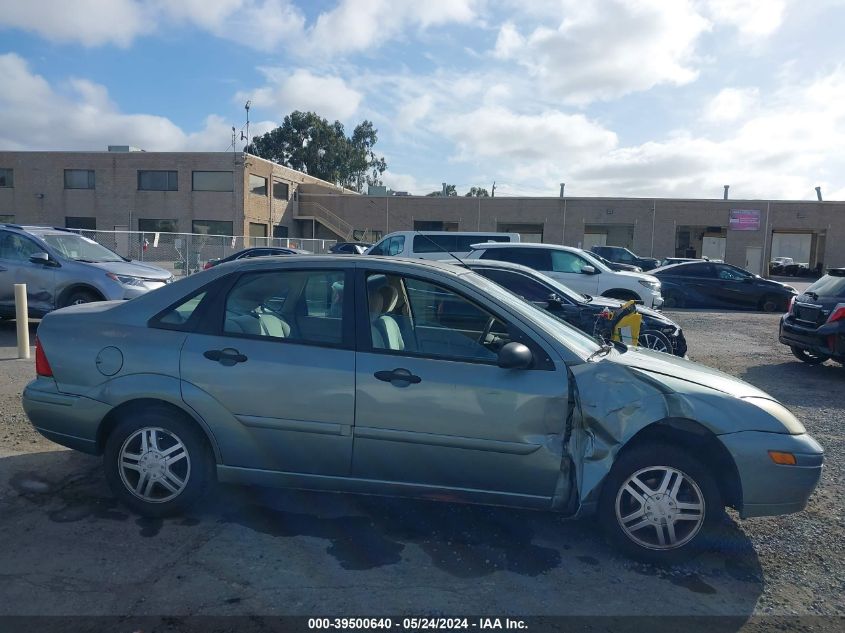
(435, 244)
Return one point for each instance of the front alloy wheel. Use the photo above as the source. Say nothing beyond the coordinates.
(659, 504)
(653, 339)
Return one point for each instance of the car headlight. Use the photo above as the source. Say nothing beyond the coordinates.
(127, 280)
(651, 285)
(780, 413)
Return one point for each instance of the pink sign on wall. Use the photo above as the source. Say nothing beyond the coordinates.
(744, 220)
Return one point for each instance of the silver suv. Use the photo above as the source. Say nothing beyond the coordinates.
(62, 268)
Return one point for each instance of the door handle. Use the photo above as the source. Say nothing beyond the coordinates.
(226, 356)
(398, 375)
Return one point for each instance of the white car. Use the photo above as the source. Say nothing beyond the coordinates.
(435, 244)
(576, 269)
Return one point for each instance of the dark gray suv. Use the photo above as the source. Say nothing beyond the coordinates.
(62, 268)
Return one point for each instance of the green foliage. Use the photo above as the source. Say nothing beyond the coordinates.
(309, 143)
(450, 191)
(477, 192)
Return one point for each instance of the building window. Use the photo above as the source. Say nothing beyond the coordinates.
(212, 227)
(434, 225)
(7, 218)
(281, 190)
(79, 178)
(7, 177)
(81, 222)
(258, 234)
(213, 181)
(257, 185)
(158, 226)
(155, 180)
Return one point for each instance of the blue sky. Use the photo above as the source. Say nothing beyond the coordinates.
(612, 97)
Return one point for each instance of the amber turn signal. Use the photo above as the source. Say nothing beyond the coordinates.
(784, 459)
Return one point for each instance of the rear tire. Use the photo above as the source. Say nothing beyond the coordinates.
(655, 340)
(806, 356)
(158, 463)
(771, 303)
(672, 299)
(659, 504)
(78, 297)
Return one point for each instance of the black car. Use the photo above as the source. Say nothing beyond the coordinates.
(351, 248)
(718, 285)
(624, 256)
(658, 332)
(814, 327)
(616, 265)
(257, 251)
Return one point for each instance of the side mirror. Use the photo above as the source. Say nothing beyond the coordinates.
(515, 356)
(41, 258)
(588, 270)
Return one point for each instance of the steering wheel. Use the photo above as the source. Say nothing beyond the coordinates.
(487, 329)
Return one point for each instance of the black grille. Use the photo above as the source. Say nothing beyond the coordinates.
(807, 314)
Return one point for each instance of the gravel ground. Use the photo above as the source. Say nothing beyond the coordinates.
(796, 566)
(801, 555)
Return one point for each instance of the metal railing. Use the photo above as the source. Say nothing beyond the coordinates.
(186, 253)
(307, 210)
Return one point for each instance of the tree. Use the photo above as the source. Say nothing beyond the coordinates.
(309, 143)
(477, 192)
(450, 191)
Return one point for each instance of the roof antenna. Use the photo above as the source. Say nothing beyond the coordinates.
(439, 247)
(246, 107)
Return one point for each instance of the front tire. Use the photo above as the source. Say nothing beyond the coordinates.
(659, 504)
(622, 295)
(655, 340)
(805, 355)
(771, 303)
(672, 299)
(157, 463)
(78, 297)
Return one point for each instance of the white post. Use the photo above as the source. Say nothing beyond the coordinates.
(22, 319)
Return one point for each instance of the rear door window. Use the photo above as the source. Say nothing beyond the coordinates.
(536, 258)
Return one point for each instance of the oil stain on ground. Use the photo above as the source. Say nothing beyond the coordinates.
(464, 541)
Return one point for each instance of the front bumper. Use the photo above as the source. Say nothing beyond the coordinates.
(71, 421)
(769, 488)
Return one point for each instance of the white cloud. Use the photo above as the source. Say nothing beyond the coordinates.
(327, 95)
(36, 116)
(89, 22)
(359, 25)
(753, 18)
(608, 48)
(731, 104)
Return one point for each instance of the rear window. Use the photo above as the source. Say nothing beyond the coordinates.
(829, 286)
(536, 258)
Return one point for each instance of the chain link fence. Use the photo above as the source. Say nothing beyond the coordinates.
(187, 253)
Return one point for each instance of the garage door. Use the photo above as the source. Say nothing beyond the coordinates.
(794, 245)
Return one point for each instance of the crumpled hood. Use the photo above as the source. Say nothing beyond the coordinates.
(134, 269)
(615, 303)
(688, 371)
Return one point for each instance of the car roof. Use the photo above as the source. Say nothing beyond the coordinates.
(38, 230)
(487, 245)
(258, 263)
(495, 263)
(682, 265)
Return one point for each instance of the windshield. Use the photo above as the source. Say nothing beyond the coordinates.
(574, 339)
(79, 248)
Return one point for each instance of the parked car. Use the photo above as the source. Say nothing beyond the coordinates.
(576, 269)
(624, 256)
(384, 395)
(717, 285)
(435, 244)
(658, 332)
(814, 327)
(617, 265)
(351, 248)
(62, 268)
(257, 251)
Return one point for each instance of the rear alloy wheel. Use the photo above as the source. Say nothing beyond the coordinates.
(771, 303)
(78, 297)
(808, 356)
(655, 340)
(157, 463)
(659, 504)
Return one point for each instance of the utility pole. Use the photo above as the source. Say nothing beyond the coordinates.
(246, 107)
(493, 190)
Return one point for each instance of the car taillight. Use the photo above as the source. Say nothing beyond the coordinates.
(207, 265)
(42, 365)
(838, 313)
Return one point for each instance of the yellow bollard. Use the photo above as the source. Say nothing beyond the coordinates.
(22, 318)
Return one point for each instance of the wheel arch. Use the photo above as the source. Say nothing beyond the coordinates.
(622, 293)
(114, 416)
(66, 292)
(702, 444)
